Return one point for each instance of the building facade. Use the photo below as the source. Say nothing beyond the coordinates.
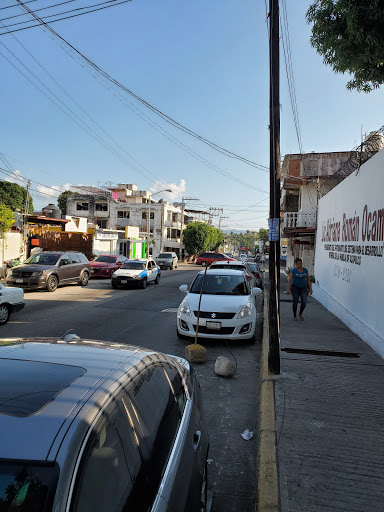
(305, 178)
(159, 222)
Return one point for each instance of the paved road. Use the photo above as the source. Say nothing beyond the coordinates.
(136, 317)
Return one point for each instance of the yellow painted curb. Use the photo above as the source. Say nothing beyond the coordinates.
(268, 486)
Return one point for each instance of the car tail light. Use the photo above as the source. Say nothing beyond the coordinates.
(257, 275)
(249, 277)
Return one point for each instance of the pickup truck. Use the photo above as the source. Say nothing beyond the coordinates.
(11, 301)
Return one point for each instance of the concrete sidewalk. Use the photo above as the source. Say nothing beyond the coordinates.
(329, 403)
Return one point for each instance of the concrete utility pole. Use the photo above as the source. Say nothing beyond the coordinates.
(220, 219)
(25, 218)
(149, 220)
(183, 200)
(274, 213)
(215, 213)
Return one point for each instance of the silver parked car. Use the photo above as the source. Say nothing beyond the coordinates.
(95, 426)
(167, 260)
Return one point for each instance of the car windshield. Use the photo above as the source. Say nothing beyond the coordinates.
(229, 266)
(133, 265)
(27, 486)
(106, 259)
(165, 256)
(220, 285)
(43, 259)
(253, 267)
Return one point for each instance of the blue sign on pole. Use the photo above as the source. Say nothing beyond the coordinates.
(274, 226)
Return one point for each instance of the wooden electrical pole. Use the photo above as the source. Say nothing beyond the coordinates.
(274, 227)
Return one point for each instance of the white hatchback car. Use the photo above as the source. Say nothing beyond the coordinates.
(139, 272)
(11, 301)
(227, 306)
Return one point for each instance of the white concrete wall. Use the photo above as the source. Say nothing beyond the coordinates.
(12, 248)
(308, 197)
(349, 265)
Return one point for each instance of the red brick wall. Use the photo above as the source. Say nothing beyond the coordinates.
(294, 167)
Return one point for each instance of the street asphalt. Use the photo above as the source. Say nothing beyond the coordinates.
(329, 415)
(148, 318)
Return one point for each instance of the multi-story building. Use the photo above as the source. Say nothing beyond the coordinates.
(118, 207)
(305, 178)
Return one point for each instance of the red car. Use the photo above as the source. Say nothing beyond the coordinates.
(105, 264)
(207, 258)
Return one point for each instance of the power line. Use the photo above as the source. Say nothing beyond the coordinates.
(72, 115)
(42, 22)
(161, 114)
(290, 74)
(36, 10)
(10, 6)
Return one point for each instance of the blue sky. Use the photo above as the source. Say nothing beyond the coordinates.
(203, 63)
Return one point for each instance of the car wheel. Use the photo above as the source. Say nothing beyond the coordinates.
(204, 263)
(4, 314)
(143, 283)
(52, 283)
(179, 335)
(157, 280)
(114, 285)
(84, 278)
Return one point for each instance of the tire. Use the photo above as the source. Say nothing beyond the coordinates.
(143, 283)
(52, 283)
(180, 336)
(203, 263)
(157, 280)
(4, 314)
(114, 285)
(84, 278)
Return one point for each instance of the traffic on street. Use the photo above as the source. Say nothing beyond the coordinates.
(147, 317)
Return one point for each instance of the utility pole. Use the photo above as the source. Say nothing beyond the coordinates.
(274, 213)
(220, 219)
(183, 200)
(25, 217)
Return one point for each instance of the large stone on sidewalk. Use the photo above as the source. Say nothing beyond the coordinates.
(195, 353)
(224, 367)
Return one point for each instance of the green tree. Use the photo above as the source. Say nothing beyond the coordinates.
(14, 196)
(349, 34)
(263, 235)
(6, 220)
(199, 237)
(62, 201)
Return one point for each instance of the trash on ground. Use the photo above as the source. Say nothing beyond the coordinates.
(247, 435)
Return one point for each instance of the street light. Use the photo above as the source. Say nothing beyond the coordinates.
(149, 217)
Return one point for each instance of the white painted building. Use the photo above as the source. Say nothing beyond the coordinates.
(303, 179)
(349, 260)
(125, 205)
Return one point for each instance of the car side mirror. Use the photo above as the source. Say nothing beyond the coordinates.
(256, 291)
(183, 288)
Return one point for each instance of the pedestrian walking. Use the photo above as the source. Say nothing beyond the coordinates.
(298, 285)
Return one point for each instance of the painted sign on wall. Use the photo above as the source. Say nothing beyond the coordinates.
(349, 260)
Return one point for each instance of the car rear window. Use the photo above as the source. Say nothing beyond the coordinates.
(43, 259)
(106, 259)
(165, 256)
(26, 387)
(26, 486)
(216, 284)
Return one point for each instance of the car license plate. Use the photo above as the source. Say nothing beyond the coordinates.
(19, 280)
(214, 325)
(123, 281)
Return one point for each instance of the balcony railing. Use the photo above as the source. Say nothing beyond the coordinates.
(299, 220)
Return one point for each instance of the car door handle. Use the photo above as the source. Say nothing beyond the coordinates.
(196, 440)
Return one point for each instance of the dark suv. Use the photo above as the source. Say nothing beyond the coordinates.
(49, 269)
